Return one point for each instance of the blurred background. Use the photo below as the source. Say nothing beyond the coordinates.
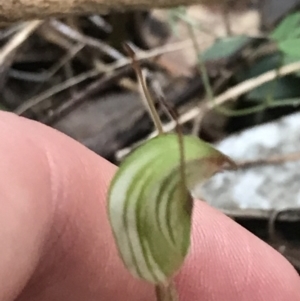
(230, 68)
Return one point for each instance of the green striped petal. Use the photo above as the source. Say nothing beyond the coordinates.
(150, 210)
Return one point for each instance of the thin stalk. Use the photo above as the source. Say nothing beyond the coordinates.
(141, 79)
(175, 117)
(268, 103)
(201, 64)
(205, 79)
(274, 104)
(166, 292)
(181, 14)
(241, 112)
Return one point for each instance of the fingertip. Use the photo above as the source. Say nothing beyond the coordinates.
(227, 260)
(25, 215)
(79, 260)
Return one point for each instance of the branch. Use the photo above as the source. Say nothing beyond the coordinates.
(230, 94)
(234, 92)
(12, 11)
(273, 160)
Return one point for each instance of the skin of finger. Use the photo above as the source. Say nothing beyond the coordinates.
(24, 212)
(72, 253)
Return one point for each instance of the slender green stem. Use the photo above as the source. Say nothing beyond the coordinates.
(274, 104)
(241, 112)
(205, 79)
(181, 14)
(268, 103)
(168, 292)
(201, 64)
(173, 113)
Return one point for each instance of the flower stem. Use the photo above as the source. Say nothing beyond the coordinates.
(149, 100)
(166, 292)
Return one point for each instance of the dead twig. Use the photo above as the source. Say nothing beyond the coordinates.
(235, 92)
(18, 39)
(12, 11)
(56, 89)
(71, 33)
(101, 23)
(103, 83)
(228, 95)
(273, 160)
(9, 50)
(143, 55)
(286, 215)
(41, 77)
(7, 32)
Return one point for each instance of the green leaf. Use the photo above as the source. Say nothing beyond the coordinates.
(150, 210)
(281, 88)
(288, 59)
(294, 33)
(290, 47)
(225, 47)
(286, 29)
(287, 35)
(285, 87)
